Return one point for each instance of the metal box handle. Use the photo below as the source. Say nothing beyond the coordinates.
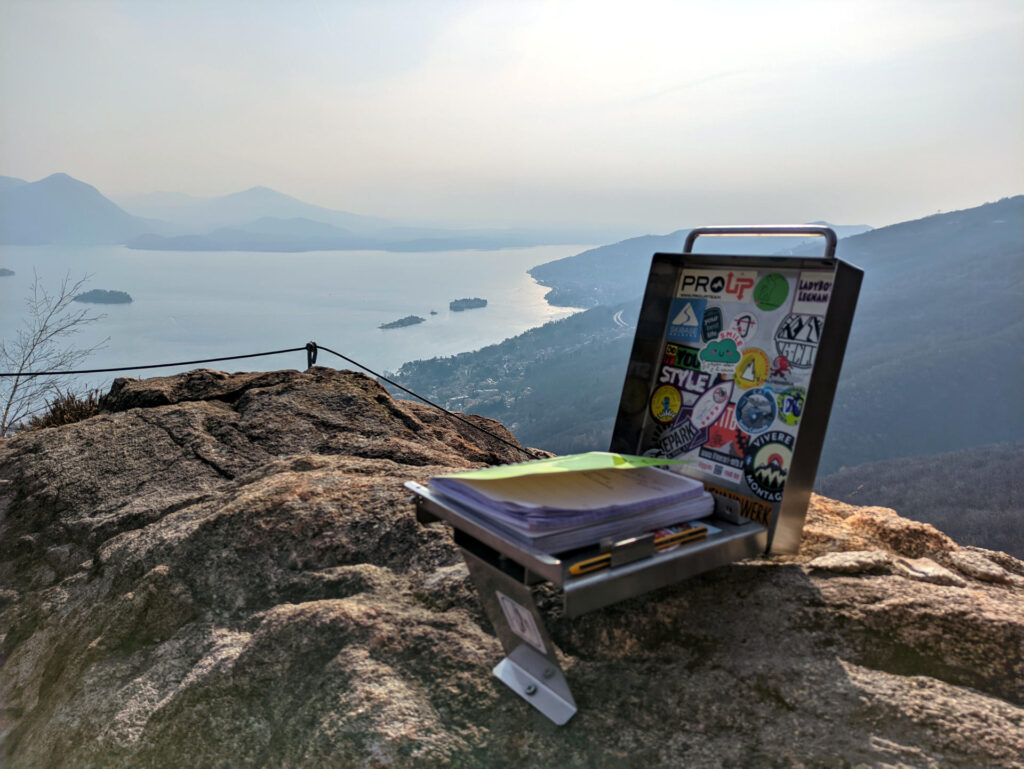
(771, 230)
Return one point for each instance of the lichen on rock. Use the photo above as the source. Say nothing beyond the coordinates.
(224, 570)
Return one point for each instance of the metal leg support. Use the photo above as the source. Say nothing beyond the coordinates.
(530, 667)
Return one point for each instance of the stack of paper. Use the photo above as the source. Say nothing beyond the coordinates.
(567, 502)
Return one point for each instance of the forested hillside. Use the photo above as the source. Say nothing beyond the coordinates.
(557, 385)
(974, 495)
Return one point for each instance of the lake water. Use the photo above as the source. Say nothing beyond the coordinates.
(190, 305)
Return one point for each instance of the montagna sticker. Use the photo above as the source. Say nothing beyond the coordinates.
(813, 290)
(728, 285)
(755, 411)
(797, 338)
(766, 464)
(684, 320)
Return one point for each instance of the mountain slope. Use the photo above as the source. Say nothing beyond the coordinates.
(976, 495)
(9, 183)
(59, 209)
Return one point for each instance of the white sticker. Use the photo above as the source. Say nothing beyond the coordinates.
(718, 285)
(813, 290)
(520, 621)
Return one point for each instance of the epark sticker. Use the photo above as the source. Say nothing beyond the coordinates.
(692, 429)
(752, 369)
(717, 285)
(521, 622)
(797, 338)
(766, 464)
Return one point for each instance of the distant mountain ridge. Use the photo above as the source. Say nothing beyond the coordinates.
(63, 210)
(59, 209)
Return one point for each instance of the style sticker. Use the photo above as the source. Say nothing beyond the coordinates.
(766, 464)
(752, 369)
(771, 292)
(791, 404)
(755, 411)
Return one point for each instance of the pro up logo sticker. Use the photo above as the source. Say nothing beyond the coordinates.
(685, 319)
(766, 464)
(717, 285)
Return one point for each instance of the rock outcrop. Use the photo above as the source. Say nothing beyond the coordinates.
(225, 571)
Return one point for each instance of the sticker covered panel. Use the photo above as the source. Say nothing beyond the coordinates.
(737, 355)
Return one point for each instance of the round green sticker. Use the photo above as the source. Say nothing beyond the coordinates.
(770, 292)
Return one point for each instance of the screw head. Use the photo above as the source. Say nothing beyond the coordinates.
(531, 689)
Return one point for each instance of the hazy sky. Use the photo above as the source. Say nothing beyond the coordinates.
(645, 114)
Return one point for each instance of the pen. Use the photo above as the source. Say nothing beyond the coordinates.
(598, 562)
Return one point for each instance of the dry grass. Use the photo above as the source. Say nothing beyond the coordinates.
(67, 407)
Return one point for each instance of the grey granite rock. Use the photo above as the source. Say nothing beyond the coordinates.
(225, 571)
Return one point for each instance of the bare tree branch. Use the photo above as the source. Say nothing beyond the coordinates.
(42, 344)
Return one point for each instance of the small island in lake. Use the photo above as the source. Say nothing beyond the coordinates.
(103, 296)
(4, 272)
(466, 304)
(408, 320)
